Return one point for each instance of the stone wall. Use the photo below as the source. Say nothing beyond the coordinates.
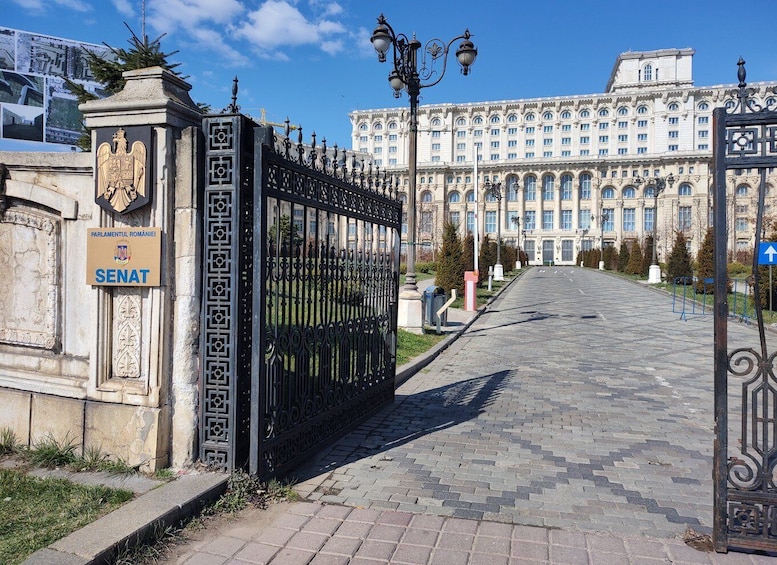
(112, 368)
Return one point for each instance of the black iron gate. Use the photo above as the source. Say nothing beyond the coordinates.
(745, 505)
(301, 252)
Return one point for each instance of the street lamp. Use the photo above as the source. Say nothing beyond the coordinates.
(603, 218)
(495, 190)
(659, 184)
(406, 75)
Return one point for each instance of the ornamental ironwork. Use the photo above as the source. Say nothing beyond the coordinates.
(301, 248)
(745, 505)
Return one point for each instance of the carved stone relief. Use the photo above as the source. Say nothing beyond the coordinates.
(29, 262)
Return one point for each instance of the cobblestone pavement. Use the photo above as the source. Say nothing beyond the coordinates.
(578, 400)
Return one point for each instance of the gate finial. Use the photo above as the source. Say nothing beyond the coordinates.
(233, 108)
(741, 72)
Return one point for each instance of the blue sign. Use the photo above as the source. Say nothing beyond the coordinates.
(767, 253)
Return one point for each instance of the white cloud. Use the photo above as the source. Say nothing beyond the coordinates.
(38, 6)
(277, 23)
(124, 8)
(214, 42)
(168, 16)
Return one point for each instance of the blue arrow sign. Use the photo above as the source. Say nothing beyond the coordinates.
(767, 253)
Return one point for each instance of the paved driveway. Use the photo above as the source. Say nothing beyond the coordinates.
(578, 400)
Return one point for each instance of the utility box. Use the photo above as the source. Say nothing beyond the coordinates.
(470, 290)
(434, 299)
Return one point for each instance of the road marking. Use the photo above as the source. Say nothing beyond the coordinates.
(581, 291)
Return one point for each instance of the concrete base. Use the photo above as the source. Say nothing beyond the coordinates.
(410, 311)
(499, 272)
(601, 265)
(517, 265)
(654, 274)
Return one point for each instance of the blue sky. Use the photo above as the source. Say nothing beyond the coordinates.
(311, 60)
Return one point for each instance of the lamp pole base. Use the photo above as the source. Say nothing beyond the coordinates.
(499, 272)
(601, 265)
(410, 311)
(654, 274)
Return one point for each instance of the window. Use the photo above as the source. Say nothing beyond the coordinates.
(477, 133)
(684, 218)
(495, 156)
(461, 121)
(566, 114)
(512, 131)
(471, 222)
(585, 127)
(648, 214)
(378, 162)
(623, 125)
(547, 129)
(378, 126)
(584, 152)
(604, 112)
(530, 187)
(454, 218)
(547, 141)
(674, 134)
(704, 120)
(608, 193)
(702, 146)
(512, 143)
(378, 150)
(454, 198)
(547, 219)
(435, 146)
(604, 125)
(566, 153)
(741, 224)
(609, 222)
(674, 121)
(529, 143)
(461, 133)
(673, 107)
(566, 141)
(392, 125)
(512, 155)
(641, 137)
(629, 215)
(547, 116)
(494, 131)
(584, 219)
(604, 138)
(641, 123)
(684, 189)
(623, 138)
(530, 220)
(435, 133)
(529, 117)
(436, 122)
(490, 221)
(392, 137)
(629, 192)
(566, 220)
(495, 144)
(478, 120)
(547, 153)
(623, 111)
(548, 185)
(566, 127)
(495, 119)
(703, 106)
(673, 148)
(585, 186)
(647, 72)
(584, 139)
(363, 127)
(363, 139)
(704, 133)
(642, 110)
(566, 187)
(461, 146)
(530, 130)
(461, 158)
(512, 189)
(529, 155)
(392, 161)
(512, 118)
(585, 114)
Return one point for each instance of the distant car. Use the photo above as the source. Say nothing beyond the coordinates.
(684, 280)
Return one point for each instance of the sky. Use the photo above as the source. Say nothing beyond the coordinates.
(312, 61)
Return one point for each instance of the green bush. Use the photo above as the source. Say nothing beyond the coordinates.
(427, 267)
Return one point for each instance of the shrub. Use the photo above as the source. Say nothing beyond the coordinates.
(450, 268)
(634, 266)
(679, 262)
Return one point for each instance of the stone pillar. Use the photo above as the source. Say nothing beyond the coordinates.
(142, 390)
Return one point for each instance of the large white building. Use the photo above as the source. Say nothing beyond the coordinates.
(569, 166)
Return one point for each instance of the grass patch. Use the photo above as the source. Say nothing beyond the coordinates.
(36, 512)
(8, 442)
(411, 345)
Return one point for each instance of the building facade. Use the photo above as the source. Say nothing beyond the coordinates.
(576, 172)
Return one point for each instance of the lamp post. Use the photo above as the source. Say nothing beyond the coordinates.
(406, 75)
(659, 185)
(603, 218)
(495, 190)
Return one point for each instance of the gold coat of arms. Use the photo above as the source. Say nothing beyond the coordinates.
(122, 183)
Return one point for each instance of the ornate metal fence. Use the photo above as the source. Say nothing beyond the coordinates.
(299, 296)
(745, 506)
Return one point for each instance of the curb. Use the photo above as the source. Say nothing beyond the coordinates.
(130, 525)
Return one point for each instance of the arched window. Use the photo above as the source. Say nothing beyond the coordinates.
(363, 127)
(529, 117)
(403, 198)
(623, 111)
(495, 119)
(770, 102)
(703, 106)
(608, 193)
(436, 122)
(742, 190)
(673, 107)
(547, 116)
(461, 121)
(650, 191)
(684, 189)
(512, 189)
(477, 120)
(566, 187)
(490, 196)
(512, 118)
(566, 114)
(629, 192)
(604, 112)
(392, 125)
(530, 187)
(377, 126)
(548, 185)
(642, 110)
(470, 196)
(585, 186)
(647, 72)
(426, 196)
(454, 198)
(585, 114)
(730, 104)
